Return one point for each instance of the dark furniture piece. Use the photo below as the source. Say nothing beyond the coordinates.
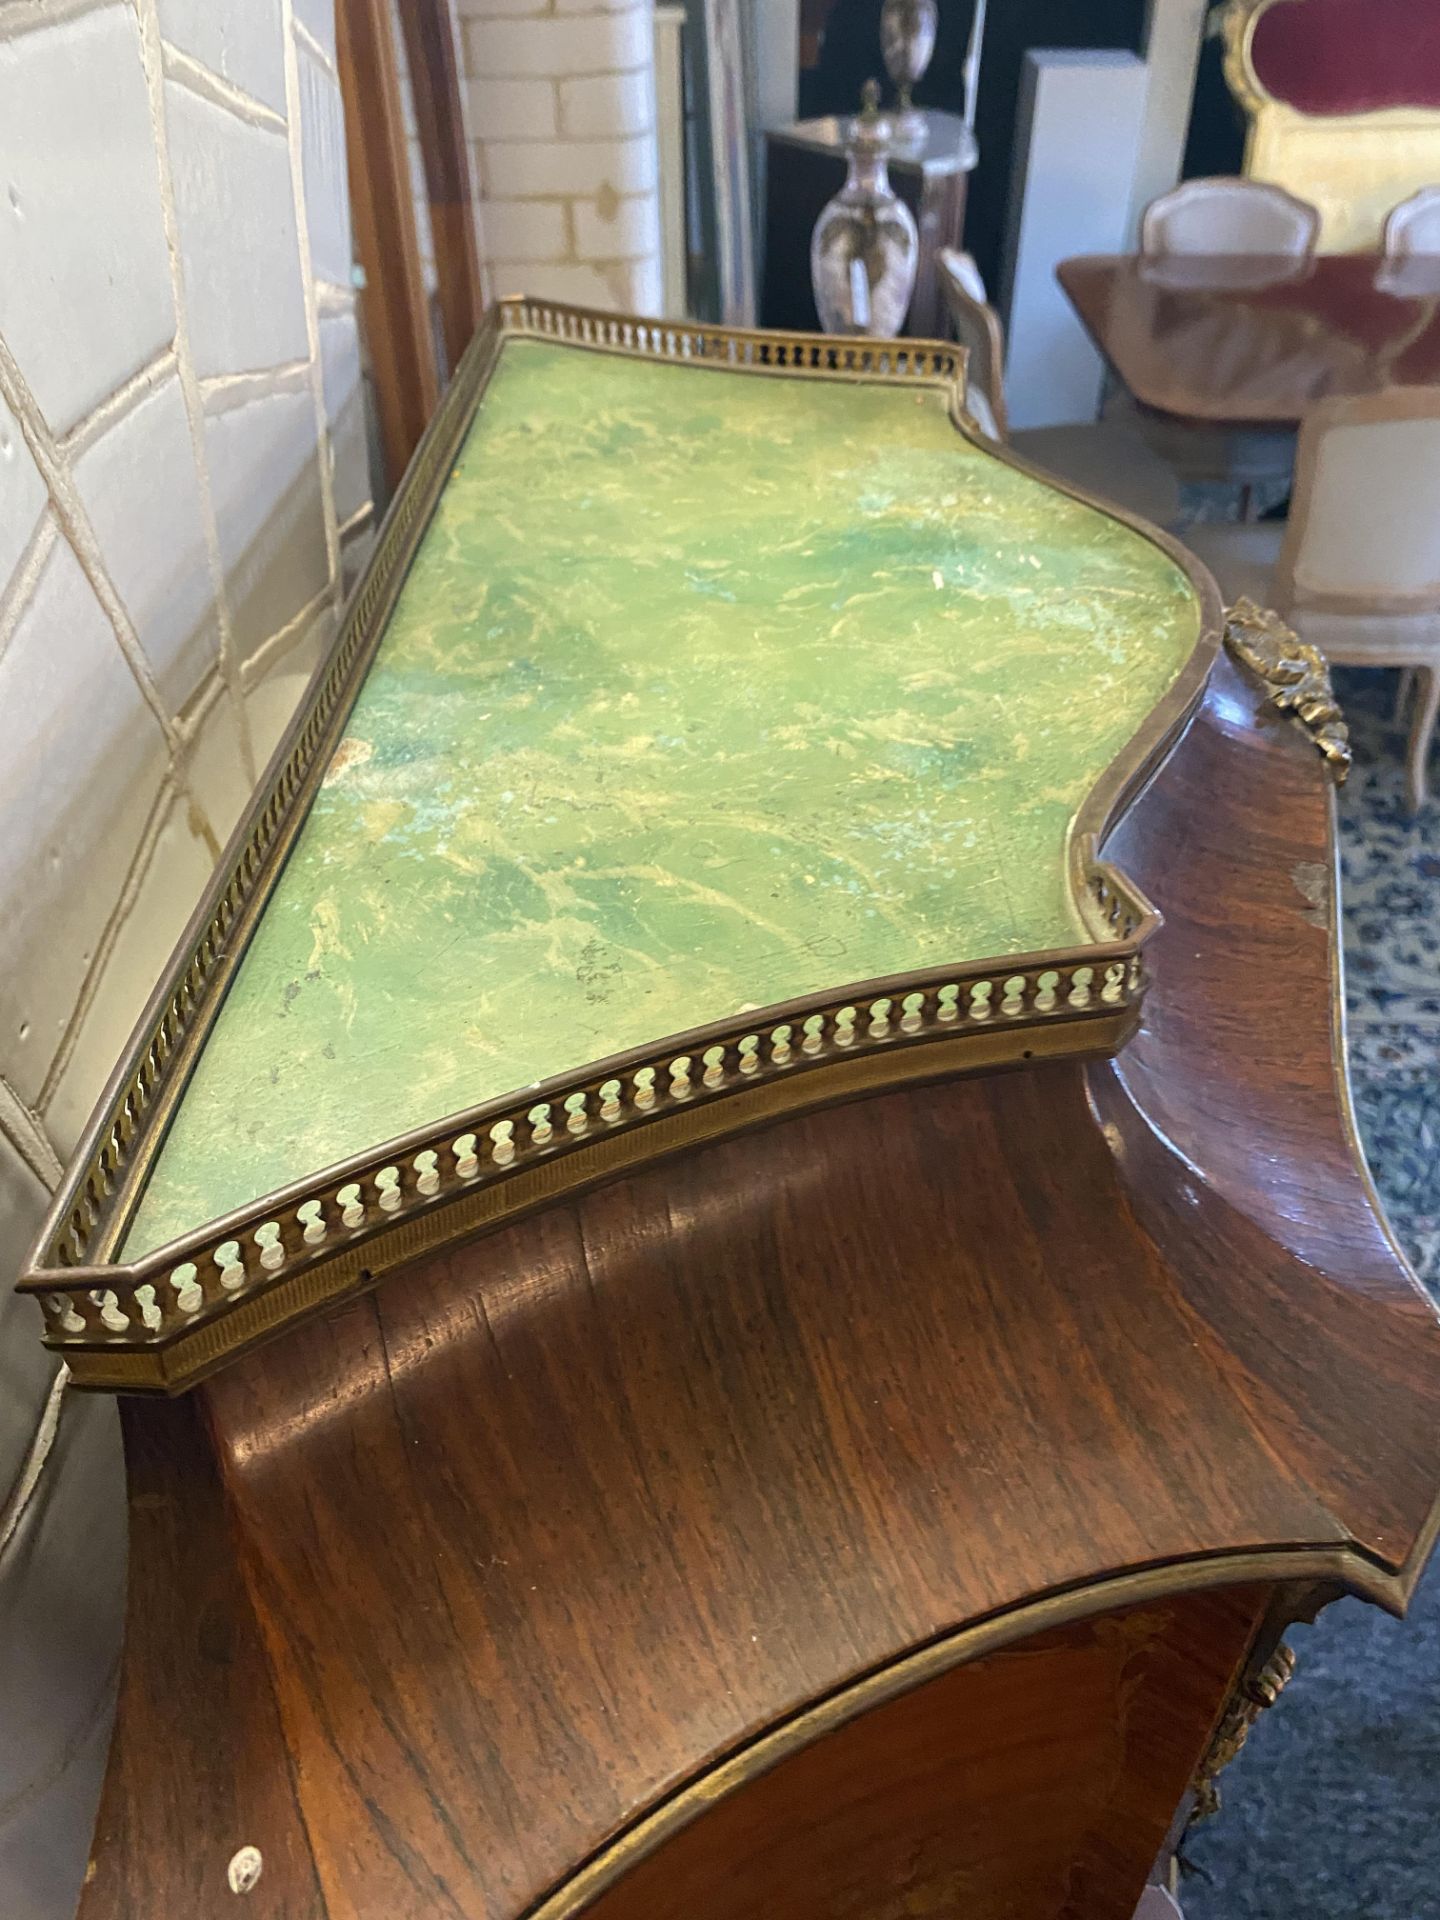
(856, 1457)
(805, 166)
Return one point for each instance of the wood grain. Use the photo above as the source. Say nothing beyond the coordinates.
(1038, 1781)
(198, 1766)
(679, 1475)
(393, 306)
(435, 87)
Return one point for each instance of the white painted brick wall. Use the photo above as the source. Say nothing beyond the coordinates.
(322, 164)
(139, 486)
(183, 479)
(500, 9)
(79, 213)
(316, 21)
(560, 48)
(609, 228)
(241, 45)
(567, 280)
(614, 103)
(513, 109)
(517, 169)
(267, 479)
(560, 99)
(344, 398)
(235, 224)
(22, 493)
(83, 763)
(526, 231)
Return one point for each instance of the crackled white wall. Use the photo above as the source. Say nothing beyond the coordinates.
(560, 107)
(182, 484)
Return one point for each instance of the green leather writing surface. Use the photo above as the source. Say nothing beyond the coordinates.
(705, 690)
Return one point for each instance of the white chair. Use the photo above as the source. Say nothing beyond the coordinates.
(977, 328)
(963, 269)
(1102, 458)
(1414, 226)
(1357, 568)
(1411, 267)
(1231, 218)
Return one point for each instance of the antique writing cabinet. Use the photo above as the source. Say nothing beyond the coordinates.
(748, 1170)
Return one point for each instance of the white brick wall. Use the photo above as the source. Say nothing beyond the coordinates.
(80, 215)
(243, 45)
(572, 169)
(560, 101)
(140, 489)
(182, 483)
(235, 223)
(596, 43)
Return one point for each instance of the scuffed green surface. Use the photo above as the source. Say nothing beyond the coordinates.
(704, 691)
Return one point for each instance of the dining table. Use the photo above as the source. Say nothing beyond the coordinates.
(1255, 340)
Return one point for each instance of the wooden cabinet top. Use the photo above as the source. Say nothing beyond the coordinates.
(726, 702)
(758, 1404)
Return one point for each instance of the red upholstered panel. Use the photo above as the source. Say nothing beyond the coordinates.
(1349, 56)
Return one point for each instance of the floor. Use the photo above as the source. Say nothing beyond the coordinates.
(1391, 901)
(1331, 1811)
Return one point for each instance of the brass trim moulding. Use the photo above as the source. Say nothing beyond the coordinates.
(1161, 1581)
(1257, 1692)
(1295, 676)
(159, 1323)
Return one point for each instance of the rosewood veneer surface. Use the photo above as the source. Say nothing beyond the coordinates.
(474, 1596)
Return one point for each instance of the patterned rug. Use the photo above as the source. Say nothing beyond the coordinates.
(1390, 895)
(1333, 1810)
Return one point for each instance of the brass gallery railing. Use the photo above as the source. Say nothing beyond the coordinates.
(159, 1322)
(103, 1315)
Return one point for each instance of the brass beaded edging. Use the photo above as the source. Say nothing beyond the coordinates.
(160, 1322)
(352, 1264)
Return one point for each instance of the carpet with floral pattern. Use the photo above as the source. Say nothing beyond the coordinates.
(1390, 894)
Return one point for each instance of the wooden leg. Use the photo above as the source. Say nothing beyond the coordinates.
(1403, 689)
(1422, 728)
